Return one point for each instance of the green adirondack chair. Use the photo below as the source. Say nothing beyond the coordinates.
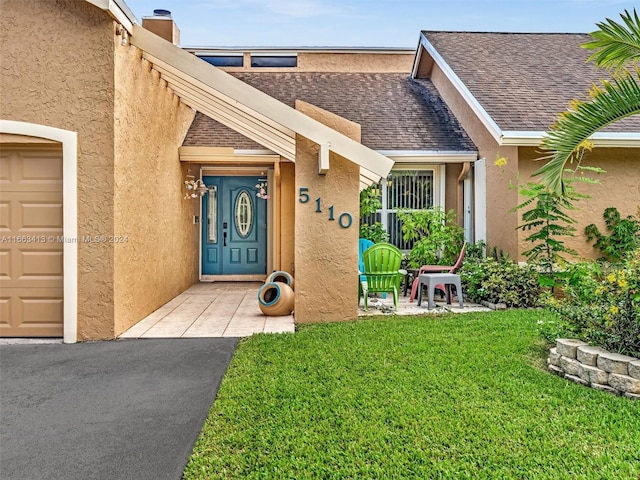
(382, 272)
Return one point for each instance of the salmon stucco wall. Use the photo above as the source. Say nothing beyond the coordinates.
(501, 224)
(156, 249)
(58, 70)
(287, 216)
(619, 187)
(326, 255)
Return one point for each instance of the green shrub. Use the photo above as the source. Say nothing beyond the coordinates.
(370, 203)
(547, 221)
(601, 306)
(374, 232)
(623, 238)
(437, 238)
(501, 282)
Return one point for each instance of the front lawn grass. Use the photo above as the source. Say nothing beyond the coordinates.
(455, 396)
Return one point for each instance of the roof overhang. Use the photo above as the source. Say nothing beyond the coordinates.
(599, 139)
(119, 11)
(225, 155)
(247, 110)
(510, 137)
(432, 157)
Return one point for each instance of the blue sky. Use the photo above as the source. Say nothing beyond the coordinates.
(385, 23)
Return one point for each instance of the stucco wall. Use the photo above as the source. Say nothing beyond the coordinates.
(57, 70)
(355, 62)
(326, 255)
(619, 187)
(157, 257)
(501, 224)
(287, 216)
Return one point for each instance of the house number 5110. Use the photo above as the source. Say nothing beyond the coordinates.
(344, 219)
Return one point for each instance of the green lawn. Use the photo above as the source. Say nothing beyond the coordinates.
(456, 397)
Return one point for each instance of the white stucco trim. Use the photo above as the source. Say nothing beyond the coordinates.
(480, 200)
(599, 139)
(491, 126)
(69, 141)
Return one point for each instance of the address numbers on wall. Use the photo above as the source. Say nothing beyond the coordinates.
(344, 219)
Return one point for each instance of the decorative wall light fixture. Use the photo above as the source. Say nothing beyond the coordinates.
(124, 41)
(195, 187)
(261, 186)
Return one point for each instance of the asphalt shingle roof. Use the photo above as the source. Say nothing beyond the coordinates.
(396, 112)
(523, 80)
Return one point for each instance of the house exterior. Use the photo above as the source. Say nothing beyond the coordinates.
(96, 231)
(506, 90)
(132, 168)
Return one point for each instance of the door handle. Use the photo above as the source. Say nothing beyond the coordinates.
(224, 239)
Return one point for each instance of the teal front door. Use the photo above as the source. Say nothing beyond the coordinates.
(234, 227)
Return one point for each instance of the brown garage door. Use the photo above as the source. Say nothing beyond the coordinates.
(30, 248)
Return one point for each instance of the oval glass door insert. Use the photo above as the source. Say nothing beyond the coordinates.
(244, 214)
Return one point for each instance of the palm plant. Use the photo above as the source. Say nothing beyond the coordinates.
(617, 49)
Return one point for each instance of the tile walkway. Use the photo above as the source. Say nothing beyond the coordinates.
(230, 309)
(219, 309)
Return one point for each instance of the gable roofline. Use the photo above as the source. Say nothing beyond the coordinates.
(458, 84)
(510, 137)
(247, 110)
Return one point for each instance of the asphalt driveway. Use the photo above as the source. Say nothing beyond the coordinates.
(127, 409)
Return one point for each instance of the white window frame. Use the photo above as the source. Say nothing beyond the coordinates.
(439, 179)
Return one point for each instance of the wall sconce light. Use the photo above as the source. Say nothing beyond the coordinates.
(195, 187)
(124, 34)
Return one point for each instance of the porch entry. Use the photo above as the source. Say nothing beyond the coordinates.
(234, 227)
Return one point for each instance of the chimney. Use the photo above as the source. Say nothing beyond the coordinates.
(162, 25)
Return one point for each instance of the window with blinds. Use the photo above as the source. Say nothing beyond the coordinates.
(403, 190)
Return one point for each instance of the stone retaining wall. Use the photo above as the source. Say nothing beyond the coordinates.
(595, 367)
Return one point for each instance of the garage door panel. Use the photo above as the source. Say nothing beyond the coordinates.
(31, 257)
(30, 169)
(5, 206)
(39, 169)
(40, 269)
(37, 213)
(36, 313)
(6, 167)
(41, 216)
(5, 309)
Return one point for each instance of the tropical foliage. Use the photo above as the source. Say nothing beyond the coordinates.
(437, 237)
(601, 306)
(622, 239)
(546, 218)
(617, 49)
(504, 281)
(370, 203)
